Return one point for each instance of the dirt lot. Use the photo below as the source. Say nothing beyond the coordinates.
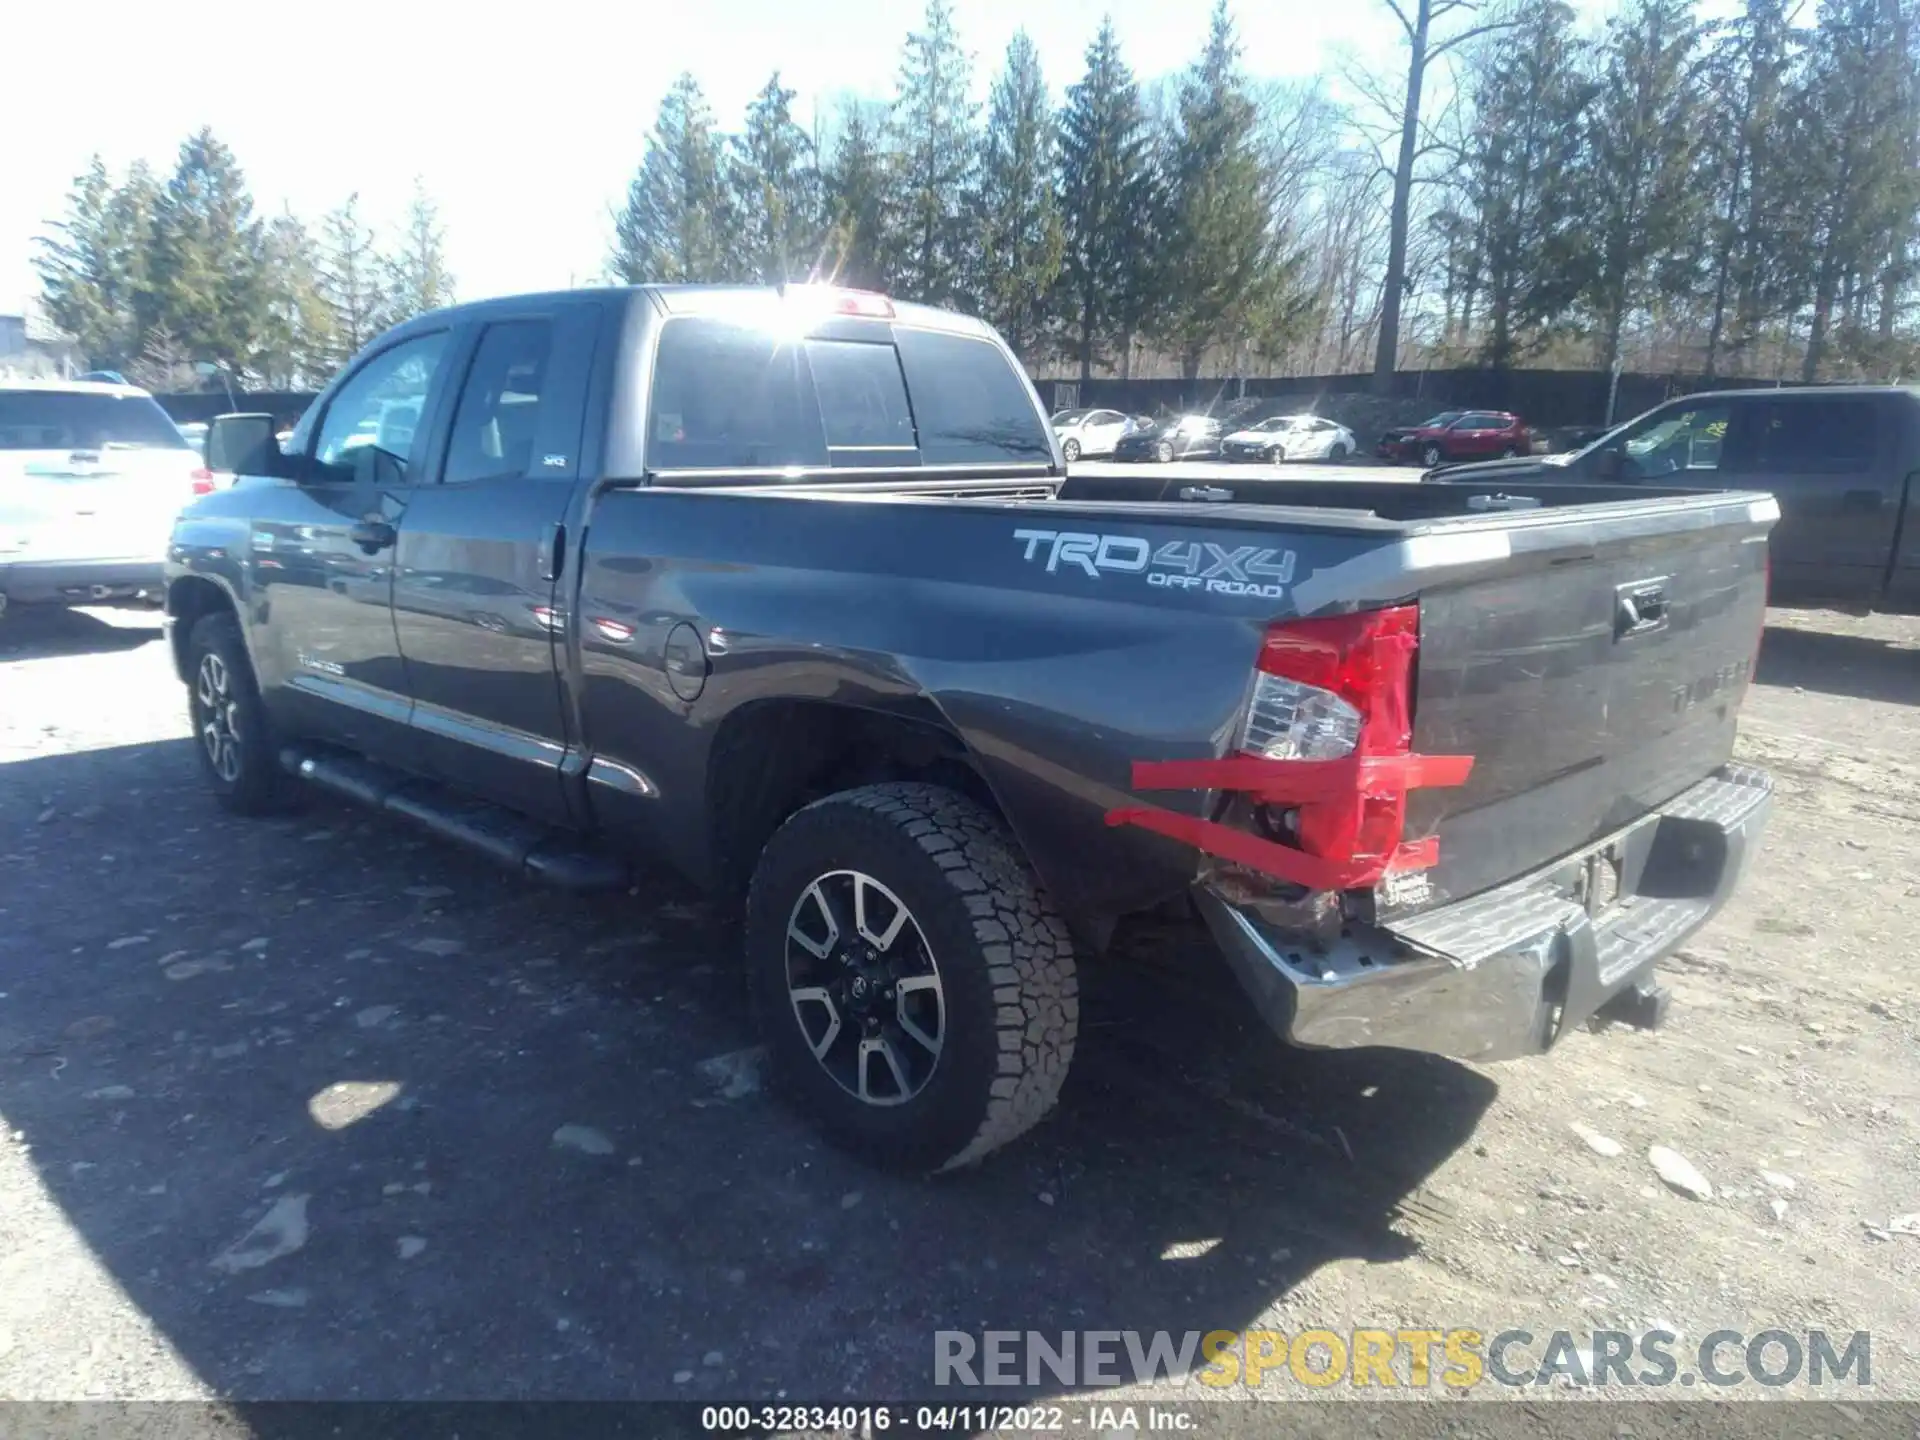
(472, 1123)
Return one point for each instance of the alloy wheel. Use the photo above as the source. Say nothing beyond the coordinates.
(864, 988)
(219, 716)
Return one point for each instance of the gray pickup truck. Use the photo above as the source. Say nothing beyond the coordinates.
(790, 591)
(1842, 461)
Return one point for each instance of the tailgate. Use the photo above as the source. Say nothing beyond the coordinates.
(1596, 680)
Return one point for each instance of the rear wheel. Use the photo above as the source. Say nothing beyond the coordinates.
(1071, 450)
(1163, 452)
(1341, 453)
(915, 988)
(232, 736)
(1431, 456)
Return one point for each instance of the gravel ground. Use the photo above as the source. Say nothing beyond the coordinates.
(321, 1108)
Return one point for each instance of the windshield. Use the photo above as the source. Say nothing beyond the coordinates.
(1071, 417)
(83, 420)
(1442, 420)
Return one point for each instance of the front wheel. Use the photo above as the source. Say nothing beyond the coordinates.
(231, 732)
(1431, 456)
(1277, 455)
(1071, 450)
(1510, 453)
(914, 986)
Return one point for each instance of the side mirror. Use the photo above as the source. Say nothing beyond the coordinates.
(243, 445)
(1609, 465)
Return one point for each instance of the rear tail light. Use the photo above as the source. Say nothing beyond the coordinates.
(1327, 737)
(203, 481)
(1347, 682)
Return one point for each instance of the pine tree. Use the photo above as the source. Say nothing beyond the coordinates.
(1748, 71)
(1225, 280)
(206, 258)
(415, 275)
(1640, 187)
(676, 226)
(857, 185)
(931, 136)
(85, 274)
(1107, 203)
(1853, 184)
(1521, 177)
(350, 282)
(1016, 211)
(776, 190)
(297, 349)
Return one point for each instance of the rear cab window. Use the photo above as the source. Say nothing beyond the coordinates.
(729, 396)
(1812, 437)
(971, 404)
(71, 420)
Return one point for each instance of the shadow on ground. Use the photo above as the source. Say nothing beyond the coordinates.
(1832, 662)
(43, 634)
(329, 1019)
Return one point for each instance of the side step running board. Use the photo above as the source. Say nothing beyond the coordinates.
(509, 839)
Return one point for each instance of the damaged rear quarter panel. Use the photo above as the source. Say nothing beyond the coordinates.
(1057, 676)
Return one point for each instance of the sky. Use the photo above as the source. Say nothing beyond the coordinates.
(525, 121)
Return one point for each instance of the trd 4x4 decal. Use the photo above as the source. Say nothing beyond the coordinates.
(1175, 565)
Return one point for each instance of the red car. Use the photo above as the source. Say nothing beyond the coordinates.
(1459, 435)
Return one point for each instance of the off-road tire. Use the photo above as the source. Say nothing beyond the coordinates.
(1070, 451)
(1004, 956)
(259, 786)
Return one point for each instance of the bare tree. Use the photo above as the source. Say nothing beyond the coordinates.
(1462, 20)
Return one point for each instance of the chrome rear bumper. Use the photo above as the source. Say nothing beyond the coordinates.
(1506, 973)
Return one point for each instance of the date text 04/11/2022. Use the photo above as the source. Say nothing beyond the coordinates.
(949, 1419)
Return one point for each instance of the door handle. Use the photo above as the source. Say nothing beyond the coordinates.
(373, 535)
(553, 551)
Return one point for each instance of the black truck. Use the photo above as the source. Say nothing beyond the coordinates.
(1841, 460)
(790, 590)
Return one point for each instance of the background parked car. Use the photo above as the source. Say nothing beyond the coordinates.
(1183, 437)
(1290, 437)
(1089, 432)
(91, 475)
(1459, 435)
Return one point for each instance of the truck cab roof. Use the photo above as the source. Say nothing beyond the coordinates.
(746, 302)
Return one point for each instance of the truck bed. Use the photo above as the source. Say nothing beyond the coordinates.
(1067, 636)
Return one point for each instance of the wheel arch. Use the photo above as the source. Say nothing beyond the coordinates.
(190, 599)
(771, 758)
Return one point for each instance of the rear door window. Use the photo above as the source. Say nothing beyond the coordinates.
(730, 397)
(495, 422)
(863, 403)
(1813, 437)
(970, 404)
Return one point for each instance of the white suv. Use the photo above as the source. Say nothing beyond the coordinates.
(91, 476)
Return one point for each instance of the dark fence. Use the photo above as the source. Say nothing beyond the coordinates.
(285, 406)
(1542, 397)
